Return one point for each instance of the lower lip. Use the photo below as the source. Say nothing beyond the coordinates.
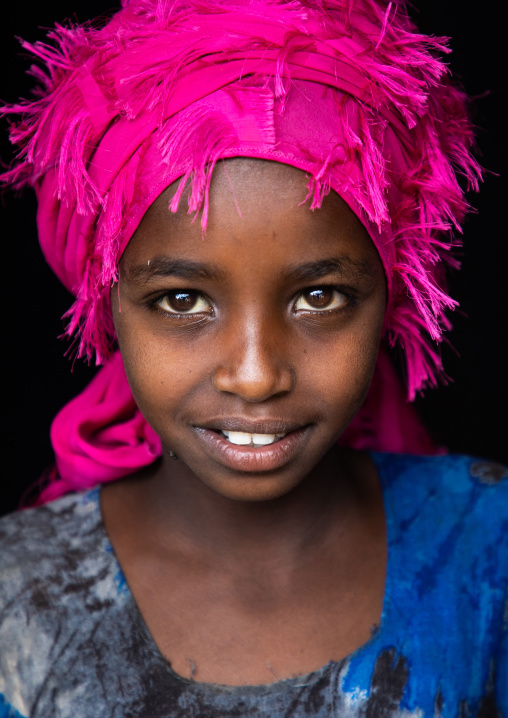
(254, 459)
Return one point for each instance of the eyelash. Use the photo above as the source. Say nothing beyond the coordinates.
(350, 297)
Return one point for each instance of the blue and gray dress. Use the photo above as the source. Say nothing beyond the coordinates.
(74, 645)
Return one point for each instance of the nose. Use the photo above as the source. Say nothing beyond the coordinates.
(254, 364)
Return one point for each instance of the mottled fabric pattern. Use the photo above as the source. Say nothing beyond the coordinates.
(74, 645)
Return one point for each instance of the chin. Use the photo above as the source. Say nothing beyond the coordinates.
(254, 489)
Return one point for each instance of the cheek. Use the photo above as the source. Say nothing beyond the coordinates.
(342, 367)
(160, 372)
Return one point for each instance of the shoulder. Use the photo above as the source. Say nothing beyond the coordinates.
(50, 555)
(57, 579)
(36, 541)
(65, 513)
(459, 476)
(48, 552)
(451, 508)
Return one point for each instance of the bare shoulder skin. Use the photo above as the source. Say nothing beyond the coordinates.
(260, 552)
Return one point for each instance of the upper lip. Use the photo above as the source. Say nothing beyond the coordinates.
(251, 426)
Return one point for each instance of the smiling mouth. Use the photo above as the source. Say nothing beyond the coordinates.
(254, 451)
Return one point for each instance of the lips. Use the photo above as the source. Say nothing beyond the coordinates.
(253, 447)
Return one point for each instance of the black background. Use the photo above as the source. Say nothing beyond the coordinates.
(468, 415)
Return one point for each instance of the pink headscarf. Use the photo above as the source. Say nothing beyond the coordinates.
(345, 90)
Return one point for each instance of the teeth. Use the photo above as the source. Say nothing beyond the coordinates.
(241, 438)
(238, 437)
(263, 439)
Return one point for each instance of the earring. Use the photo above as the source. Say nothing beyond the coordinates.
(173, 455)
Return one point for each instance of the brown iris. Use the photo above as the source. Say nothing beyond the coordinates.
(320, 297)
(182, 301)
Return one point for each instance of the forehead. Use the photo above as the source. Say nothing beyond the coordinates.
(257, 216)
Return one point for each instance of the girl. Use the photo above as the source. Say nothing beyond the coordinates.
(251, 203)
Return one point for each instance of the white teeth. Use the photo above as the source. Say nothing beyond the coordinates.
(238, 437)
(263, 439)
(242, 438)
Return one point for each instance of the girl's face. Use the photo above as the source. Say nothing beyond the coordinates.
(250, 350)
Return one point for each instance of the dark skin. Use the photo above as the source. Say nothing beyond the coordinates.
(249, 571)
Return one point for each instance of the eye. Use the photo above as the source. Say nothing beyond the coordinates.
(320, 299)
(183, 302)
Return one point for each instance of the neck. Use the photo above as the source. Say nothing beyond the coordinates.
(187, 516)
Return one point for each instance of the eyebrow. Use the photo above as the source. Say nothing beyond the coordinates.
(334, 265)
(166, 267)
(161, 266)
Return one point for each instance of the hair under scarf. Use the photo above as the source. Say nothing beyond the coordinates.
(346, 90)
